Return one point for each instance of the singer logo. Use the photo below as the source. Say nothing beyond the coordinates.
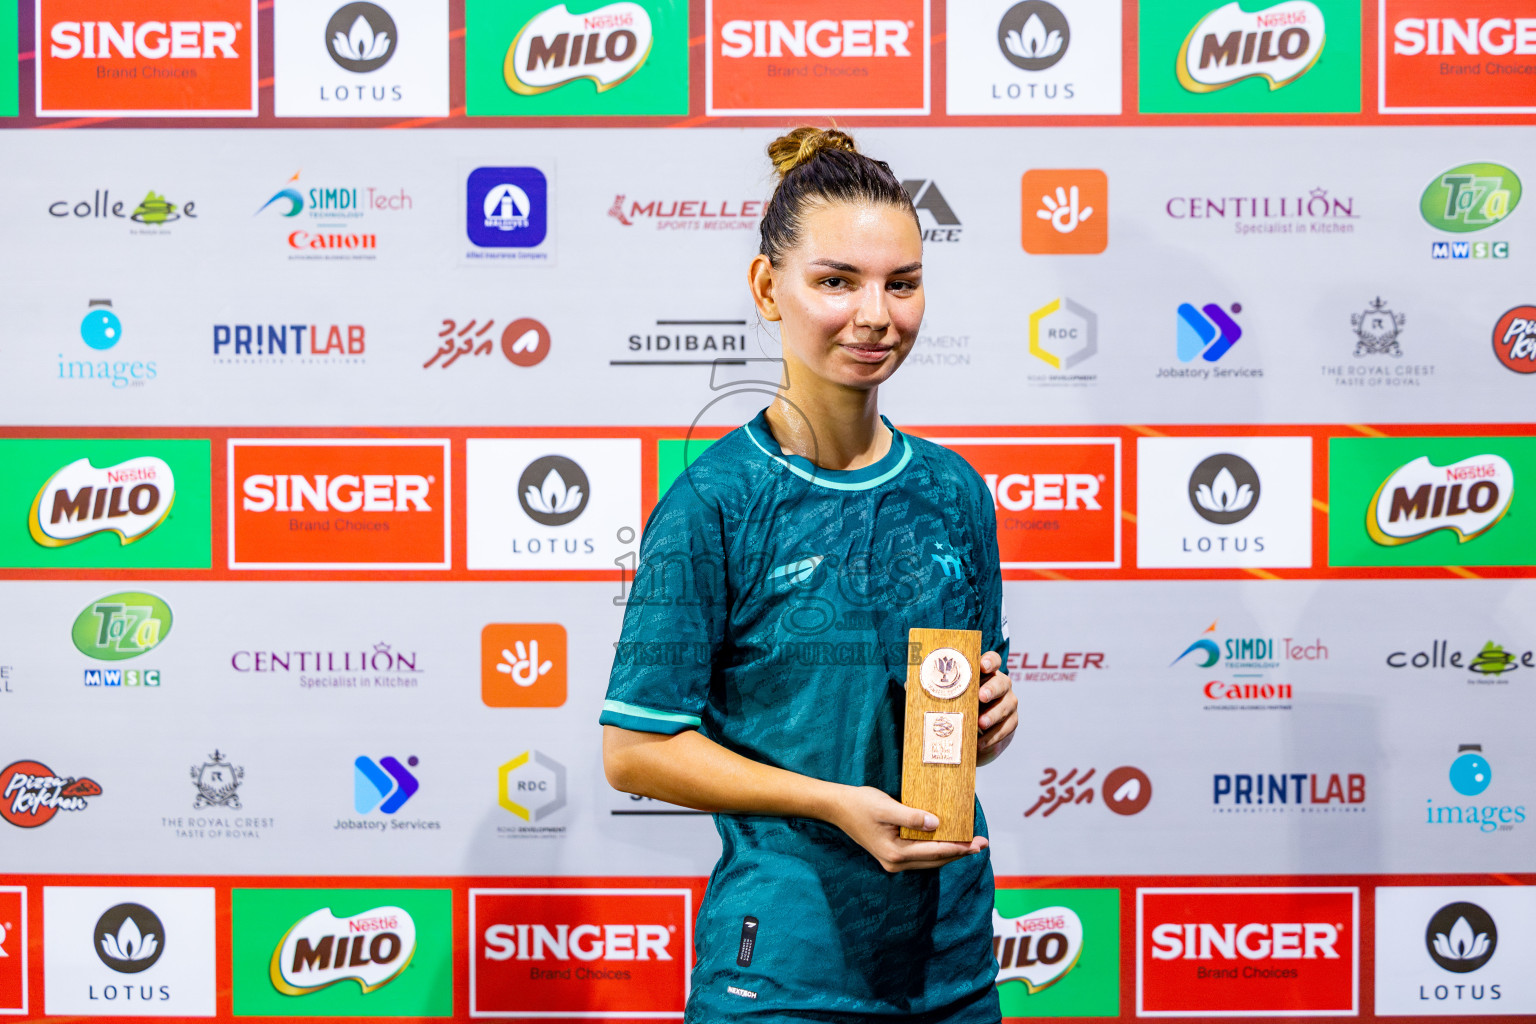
(1057, 501)
(600, 953)
(871, 59)
(1468, 498)
(1254, 952)
(128, 499)
(146, 58)
(370, 948)
(359, 504)
(1466, 56)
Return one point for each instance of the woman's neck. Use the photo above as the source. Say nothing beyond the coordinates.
(832, 426)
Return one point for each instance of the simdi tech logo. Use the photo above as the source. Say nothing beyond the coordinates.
(344, 217)
(1057, 951)
(342, 952)
(1455, 949)
(1297, 56)
(541, 59)
(1457, 56)
(387, 59)
(578, 952)
(872, 58)
(146, 58)
(339, 504)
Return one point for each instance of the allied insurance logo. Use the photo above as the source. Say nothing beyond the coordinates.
(339, 504)
(574, 952)
(872, 58)
(1456, 56)
(1256, 952)
(146, 58)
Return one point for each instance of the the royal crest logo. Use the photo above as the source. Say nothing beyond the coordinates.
(1376, 330)
(1038, 948)
(371, 948)
(1467, 497)
(556, 47)
(217, 782)
(31, 794)
(129, 499)
(1278, 44)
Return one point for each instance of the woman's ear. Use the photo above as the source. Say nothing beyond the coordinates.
(761, 283)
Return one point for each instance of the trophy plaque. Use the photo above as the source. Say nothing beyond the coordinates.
(938, 764)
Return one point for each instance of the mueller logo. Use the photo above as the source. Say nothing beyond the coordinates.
(1039, 948)
(129, 499)
(1247, 952)
(370, 948)
(149, 63)
(1467, 497)
(605, 46)
(1228, 45)
(30, 794)
(1514, 339)
(1238, 794)
(1480, 63)
(688, 214)
(338, 504)
(609, 953)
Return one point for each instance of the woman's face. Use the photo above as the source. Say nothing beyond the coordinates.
(849, 297)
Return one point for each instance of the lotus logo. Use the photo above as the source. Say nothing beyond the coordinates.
(129, 938)
(1461, 937)
(1224, 489)
(553, 490)
(1467, 498)
(1033, 35)
(361, 37)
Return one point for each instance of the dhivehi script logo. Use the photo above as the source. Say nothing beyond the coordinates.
(129, 499)
(1468, 497)
(557, 47)
(1039, 948)
(1279, 43)
(322, 950)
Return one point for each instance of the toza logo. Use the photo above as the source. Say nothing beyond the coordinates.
(1471, 197)
(1461, 937)
(1279, 44)
(1467, 498)
(126, 499)
(361, 37)
(1034, 35)
(121, 626)
(129, 938)
(371, 948)
(604, 46)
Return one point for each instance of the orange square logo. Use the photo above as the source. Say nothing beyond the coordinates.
(146, 58)
(1066, 211)
(787, 57)
(522, 665)
(345, 504)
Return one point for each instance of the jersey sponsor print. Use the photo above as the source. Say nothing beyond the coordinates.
(1457, 56)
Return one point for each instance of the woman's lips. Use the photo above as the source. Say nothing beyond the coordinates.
(867, 353)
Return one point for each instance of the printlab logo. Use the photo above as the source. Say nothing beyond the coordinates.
(523, 665)
(1224, 489)
(926, 198)
(241, 344)
(1065, 211)
(1514, 339)
(1472, 197)
(217, 783)
(361, 37)
(524, 341)
(1034, 35)
(1062, 334)
(129, 938)
(553, 490)
(1461, 937)
(1126, 790)
(384, 785)
(31, 794)
(129, 499)
(1207, 333)
(154, 211)
(508, 208)
(531, 786)
(1287, 792)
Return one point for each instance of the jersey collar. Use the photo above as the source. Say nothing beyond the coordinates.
(873, 475)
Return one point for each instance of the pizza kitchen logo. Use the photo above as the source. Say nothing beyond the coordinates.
(1278, 44)
(129, 499)
(1467, 498)
(31, 794)
(371, 948)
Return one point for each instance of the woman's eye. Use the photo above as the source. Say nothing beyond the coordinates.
(903, 286)
(834, 282)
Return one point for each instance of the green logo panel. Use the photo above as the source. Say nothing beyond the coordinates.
(534, 58)
(1442, 501)
(355, 987)
(1071, 961)
(675, 455)
(1237, 83)
(8, 60)
(58, 515)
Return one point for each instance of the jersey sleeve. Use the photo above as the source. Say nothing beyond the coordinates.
(674, 618)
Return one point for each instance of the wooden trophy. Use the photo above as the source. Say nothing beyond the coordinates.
(938, 764)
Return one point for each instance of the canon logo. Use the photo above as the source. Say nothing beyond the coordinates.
(1045, 492)
(1444, 36)
(583, 942)
(152, 40)
(881, 37)
(403, 492)
(1287, 941)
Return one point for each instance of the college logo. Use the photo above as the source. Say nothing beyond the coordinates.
(610, 953)
(121, 626)
(1278, 44)
(370, 948)
(508, 207)
(1057, 500)
(217, 783)
(30, 794)
(1514, 339)
(153, 64)
(1126, 790)
(154, 210)
(1468, 498)
(523, 665)
(129, 938)
(1471, 197)
(1057, 952)
(1258, 952)
(361, 59)
(1065, 211)
(128, 499)
(524, 342)
(531, 786)
(1491, 661)
(1476, 58)
(871, 60)
(383, 785)
(342, 504)
(1063, 333)
(13, 950)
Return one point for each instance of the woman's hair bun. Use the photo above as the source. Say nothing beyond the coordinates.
(803, 143)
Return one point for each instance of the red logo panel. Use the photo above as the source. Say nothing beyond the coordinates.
(13, 950)
(1458, 55)
(582, 953)
(1249, 952)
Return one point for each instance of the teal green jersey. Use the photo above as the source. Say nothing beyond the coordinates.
(770, 611)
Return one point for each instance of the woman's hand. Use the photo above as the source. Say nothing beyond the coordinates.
(999, 710)
(873, 820)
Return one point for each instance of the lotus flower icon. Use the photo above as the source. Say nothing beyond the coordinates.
(361, 37)
(1033, 42)
(1224, 489)
(129, 938)
(553, 490)
(553, 497)
(361, 43)
(1461, 937)
(1463, 943)
(1224, 494)
(130, 944)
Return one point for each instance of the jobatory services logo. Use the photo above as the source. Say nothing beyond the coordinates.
(387, 59)
(384, 785)
(342, 952)
(1062, 334)
(1065, 211)
(1295, 56)
(1057, 951)
(1470, 775)
(1057, 499)
(344, 218)
(119, 627)
(1462, 57)
(1462, 949)
(1033, 57)
(148, 58)
(597, 952)
(339, 504)
(1258, 951)
(535, 58)
(1125, 790)
(1468, 198)
(13, 949)
(871, 59)
(523, 665)
(31, 794)
(152, 215)
(1514, 339)
(1207, 333)
(1428, 501)
(129, 951)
